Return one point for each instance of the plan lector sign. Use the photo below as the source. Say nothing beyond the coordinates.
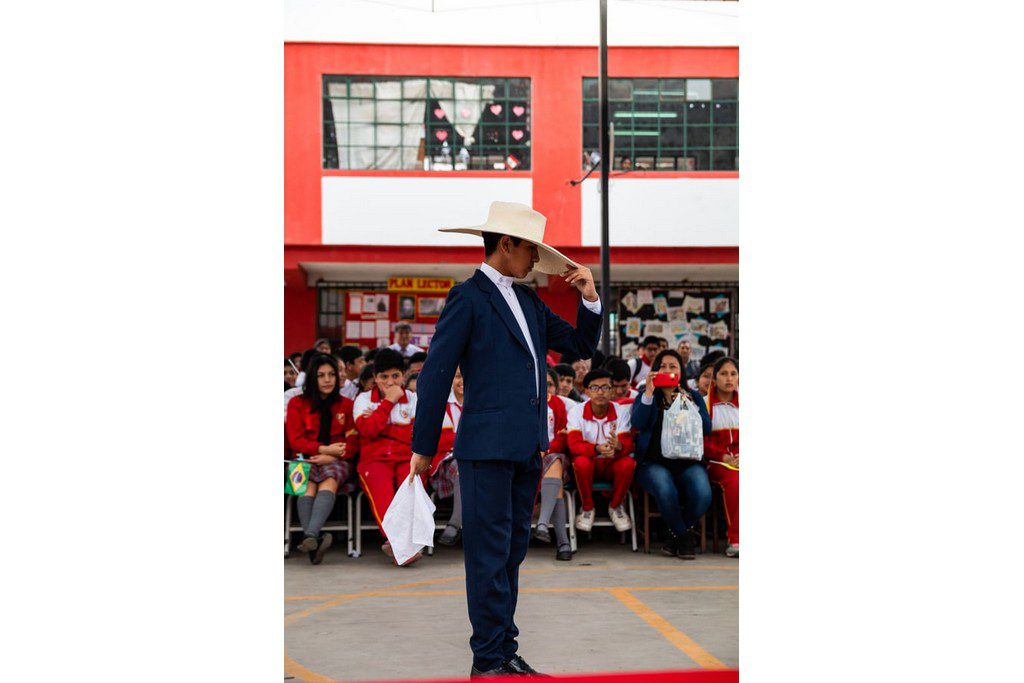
(425, 285)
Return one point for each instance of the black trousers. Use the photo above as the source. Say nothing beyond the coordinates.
(497, 504)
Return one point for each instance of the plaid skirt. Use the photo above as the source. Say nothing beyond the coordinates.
(551, 458)
(445, 478)
(339, 470)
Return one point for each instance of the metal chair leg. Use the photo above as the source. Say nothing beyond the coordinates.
(359, 524)
(647, 523)
(571, 502)
(632, 520)
(351, 519)
(287, 524)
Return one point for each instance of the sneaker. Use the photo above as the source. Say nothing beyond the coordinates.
(585, 520)
(733, 550)
(325, 543)
(450, 536)
(542, 534)
(308, 544)
(687, 549)
(619, 518)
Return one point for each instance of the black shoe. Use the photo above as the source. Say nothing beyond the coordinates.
(450, 536)
(498, 671)
(542, 534)
(518, 666)
(671, 548)
(564, 554)
(318, 555)
(687, 548)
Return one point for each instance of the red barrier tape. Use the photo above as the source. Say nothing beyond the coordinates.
(691, 676)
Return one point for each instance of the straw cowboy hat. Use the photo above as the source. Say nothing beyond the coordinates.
(519, 220)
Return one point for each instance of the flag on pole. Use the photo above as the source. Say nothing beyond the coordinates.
(298, 478)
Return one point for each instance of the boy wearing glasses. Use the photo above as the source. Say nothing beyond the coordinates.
(601, 445)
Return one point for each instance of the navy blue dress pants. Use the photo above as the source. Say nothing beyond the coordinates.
(497, 504)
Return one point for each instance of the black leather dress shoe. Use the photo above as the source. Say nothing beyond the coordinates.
(518, 666)
(502, 670)
(563, 555)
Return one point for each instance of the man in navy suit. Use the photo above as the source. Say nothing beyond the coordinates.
(498, 332)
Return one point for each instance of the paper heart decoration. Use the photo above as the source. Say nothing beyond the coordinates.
(440, 113)
(517, 134)
(495, 109)
(441, 135)
(518, 110)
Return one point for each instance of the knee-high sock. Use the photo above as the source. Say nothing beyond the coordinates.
(549, 488)
(305, 506)
(559, 519)
(456, 519)
(322, 506)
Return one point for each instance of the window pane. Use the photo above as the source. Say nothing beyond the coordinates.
(673, 89)
(590, 89)
(698, 89)
(725, 160)
(725, 136)
(725, 88)
(698, 136)
(724, 112)
(698, 112)
(701, 159)
(620, 89)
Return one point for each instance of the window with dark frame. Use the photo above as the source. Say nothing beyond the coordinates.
(421, 123)
(666, 124)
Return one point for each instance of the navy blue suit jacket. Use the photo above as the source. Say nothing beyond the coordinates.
(505, 409)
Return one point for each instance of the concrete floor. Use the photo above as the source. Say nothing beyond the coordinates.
(608, 610)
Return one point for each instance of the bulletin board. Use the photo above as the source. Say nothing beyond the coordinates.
(372, 315)
(707, 318)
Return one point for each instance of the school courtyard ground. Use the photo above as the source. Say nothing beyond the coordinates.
(609, 610)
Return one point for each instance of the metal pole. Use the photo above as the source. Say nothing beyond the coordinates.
(606, 162)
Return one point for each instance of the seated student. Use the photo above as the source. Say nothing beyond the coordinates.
(403, 333)
(566, 379)
(622, 393)
(702, 378)
(410, 381)
(320, 427)
(290, 374)
(553, 512)
(384, 419)
(366, 381)
(641, 365)
(680, 487)
(722, 447)
(351, 363)
(600, 444)
(445, 479)
(416, 361)
(580, 368)
(307, 356)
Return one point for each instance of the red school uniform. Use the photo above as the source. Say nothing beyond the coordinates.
(586, 432)
(302, 429)
(385, 434)
(725, 438)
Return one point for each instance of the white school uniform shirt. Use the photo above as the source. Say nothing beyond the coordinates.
(288, 396)
(409, 350)
(597, 430)
(504, 285)
(569, 403)
(644, 370)
(350, 389)
(452, 417)
(401, 413)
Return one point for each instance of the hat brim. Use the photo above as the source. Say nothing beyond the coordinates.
(552, 261)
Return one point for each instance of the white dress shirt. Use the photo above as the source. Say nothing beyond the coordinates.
(504, 285)
(407, 351)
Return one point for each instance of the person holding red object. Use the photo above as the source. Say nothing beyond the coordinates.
(320, 427)
(722, 447)
(384, 420)
(553, 512)
(601, 443)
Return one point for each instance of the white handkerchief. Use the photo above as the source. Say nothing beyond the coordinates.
(409, 521)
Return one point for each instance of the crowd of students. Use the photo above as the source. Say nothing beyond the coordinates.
(661, 420)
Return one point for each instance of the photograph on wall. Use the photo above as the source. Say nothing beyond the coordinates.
(375, 305)
(430, 306)
(407, 307)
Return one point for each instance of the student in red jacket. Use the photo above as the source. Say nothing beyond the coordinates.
(553, 512)
(384, 419)
(321, 429)
(601, 443)
(445, 478)
(722, 447)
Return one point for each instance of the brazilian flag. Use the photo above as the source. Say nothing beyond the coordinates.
(298, 478)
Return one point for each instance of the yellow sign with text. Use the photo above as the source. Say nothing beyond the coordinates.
(426, 285)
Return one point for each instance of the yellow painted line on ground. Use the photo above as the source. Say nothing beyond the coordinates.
(702, 657)
(338, 599)
(293, 668)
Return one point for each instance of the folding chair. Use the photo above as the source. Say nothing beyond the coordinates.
(607, 486)
(649, 513)
(346, 526)
(570, 511)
